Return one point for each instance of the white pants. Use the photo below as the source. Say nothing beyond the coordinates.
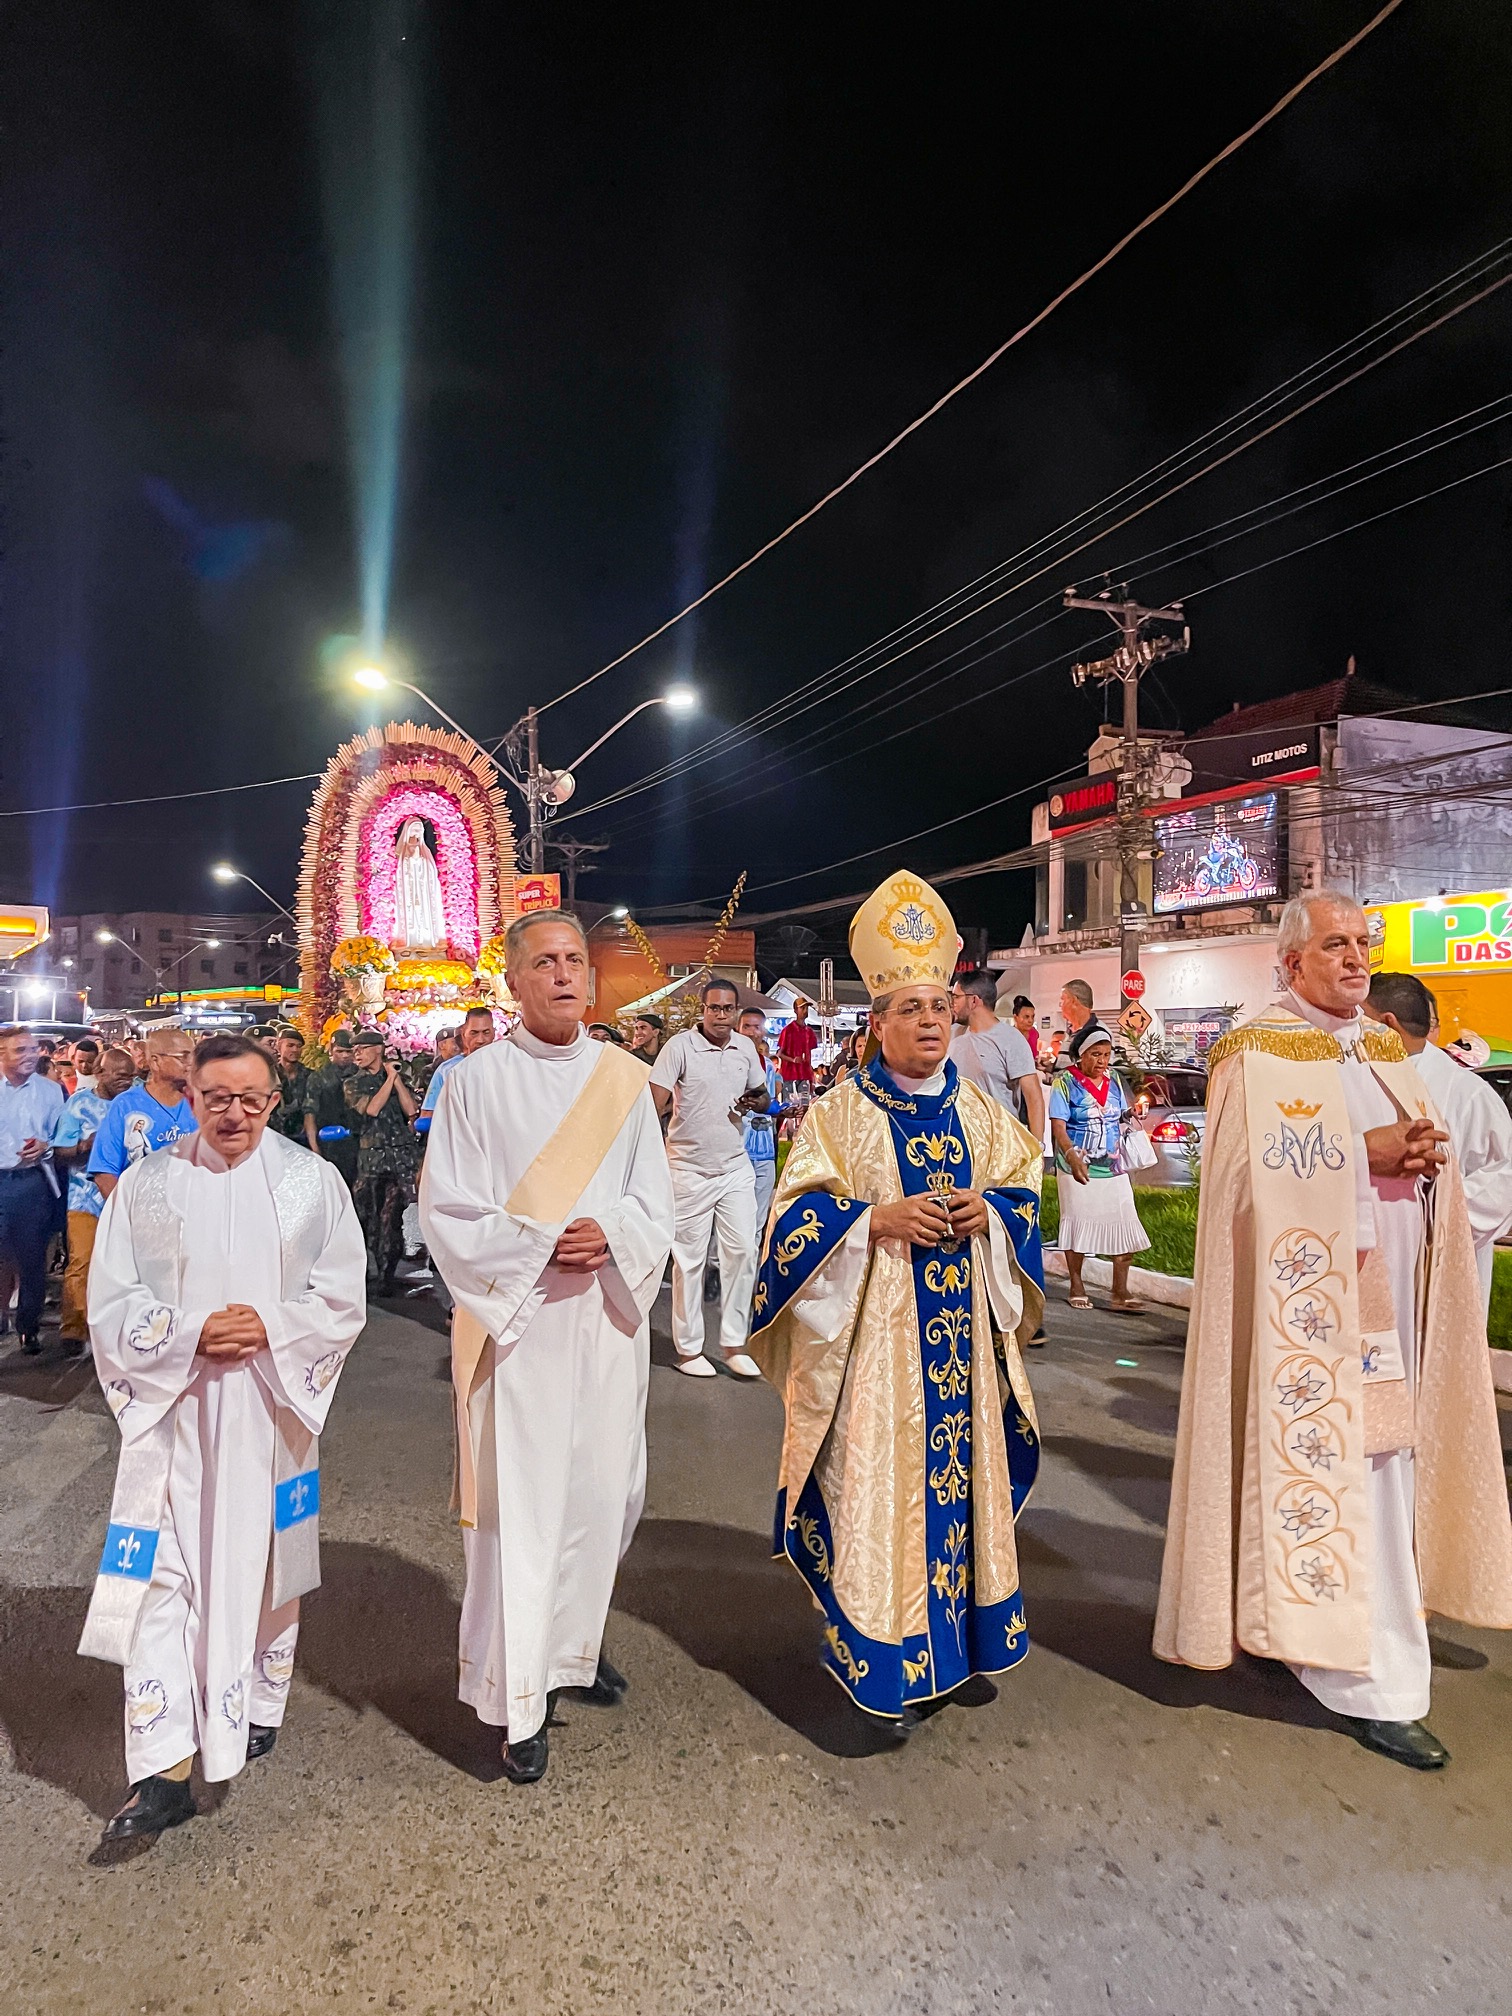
(1397, 1687)
(766, 1183)
(185, 1692)
(725, 1203)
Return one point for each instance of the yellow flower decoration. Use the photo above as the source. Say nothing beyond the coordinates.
(362, 955)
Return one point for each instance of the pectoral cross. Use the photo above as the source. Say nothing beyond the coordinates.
(130, 1547)
(942, 1184)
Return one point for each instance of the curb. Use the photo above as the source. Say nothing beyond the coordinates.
(1174, 1290)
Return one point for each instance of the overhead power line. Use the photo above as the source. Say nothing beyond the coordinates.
(1146, 223)
(826, 685)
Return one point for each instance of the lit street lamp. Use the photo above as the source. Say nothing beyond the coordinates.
(543, 790)
(224, 872)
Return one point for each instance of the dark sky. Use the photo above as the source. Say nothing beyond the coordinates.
(677, 271)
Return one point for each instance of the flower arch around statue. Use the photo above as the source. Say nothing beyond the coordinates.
(383, 790)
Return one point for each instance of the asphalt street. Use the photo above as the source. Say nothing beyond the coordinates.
(1098, 1832)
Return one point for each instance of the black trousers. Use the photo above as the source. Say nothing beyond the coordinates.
(29, 1216)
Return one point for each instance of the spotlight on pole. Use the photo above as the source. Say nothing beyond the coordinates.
(371, 677)
(680, 699)
(224, 872)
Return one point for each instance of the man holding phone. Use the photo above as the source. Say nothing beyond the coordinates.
(30, 1199)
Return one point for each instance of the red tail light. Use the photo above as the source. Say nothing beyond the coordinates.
(1170, 1130)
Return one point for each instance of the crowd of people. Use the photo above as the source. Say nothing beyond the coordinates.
(1337, 1467)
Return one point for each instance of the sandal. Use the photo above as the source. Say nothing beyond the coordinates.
(1128, 1308)
(1080, 1302)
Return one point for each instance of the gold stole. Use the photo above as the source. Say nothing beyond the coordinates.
(547, 1193)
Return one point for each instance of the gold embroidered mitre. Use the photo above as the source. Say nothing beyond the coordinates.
(903, 935)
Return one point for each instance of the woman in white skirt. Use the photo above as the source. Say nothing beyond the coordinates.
(1088, 1114)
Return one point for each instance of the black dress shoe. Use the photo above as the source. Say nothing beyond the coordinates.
(71, 1347)
(155, 1804)
(1412, 1743)
(609, 1686)
(525, 1762)
(260, 1740)
(31, 1343)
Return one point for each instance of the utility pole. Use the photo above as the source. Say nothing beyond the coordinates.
(571, 852)
(533, 794)
(1135, 655)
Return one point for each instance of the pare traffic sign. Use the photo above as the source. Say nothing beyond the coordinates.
(1133, 985)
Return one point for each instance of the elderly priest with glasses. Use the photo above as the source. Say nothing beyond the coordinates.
(225, 1291)
(900, 1280)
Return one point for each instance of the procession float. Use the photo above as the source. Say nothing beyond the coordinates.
(407, 886)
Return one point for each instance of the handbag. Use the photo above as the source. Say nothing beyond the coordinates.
(1136, 1150)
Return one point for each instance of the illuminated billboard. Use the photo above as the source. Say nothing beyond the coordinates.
(1212, 856)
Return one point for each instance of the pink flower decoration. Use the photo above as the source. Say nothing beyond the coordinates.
(456, 864)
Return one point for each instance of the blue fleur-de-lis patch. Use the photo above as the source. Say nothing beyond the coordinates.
(296, 1499)
(129, 1551)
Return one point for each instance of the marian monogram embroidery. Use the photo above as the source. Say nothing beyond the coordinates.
(1302, 1147)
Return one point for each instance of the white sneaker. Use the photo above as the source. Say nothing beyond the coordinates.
(742, 1364)
(697, 1368)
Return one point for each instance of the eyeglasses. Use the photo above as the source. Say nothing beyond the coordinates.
(251, 1103)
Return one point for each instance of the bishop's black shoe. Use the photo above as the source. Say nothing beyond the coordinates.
(609, 1686)
(260, 1740)
(155, 1805)
(525, 1762)
(1411, 1743)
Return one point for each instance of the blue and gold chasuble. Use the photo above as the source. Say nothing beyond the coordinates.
(911, 1440)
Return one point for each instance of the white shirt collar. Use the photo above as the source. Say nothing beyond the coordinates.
(558, 1053)
(931, 1087)
(1346, 1027)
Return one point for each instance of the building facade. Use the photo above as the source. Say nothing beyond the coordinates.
(122, 959)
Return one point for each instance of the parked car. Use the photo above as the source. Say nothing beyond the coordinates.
(1171, 1104)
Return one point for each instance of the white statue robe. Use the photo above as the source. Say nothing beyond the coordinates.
(1480, 1133)
(554, 1408)
(217, 1494)
(1389, 1216)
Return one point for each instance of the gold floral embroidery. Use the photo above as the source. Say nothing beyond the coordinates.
(855, 1670)
(950, 1482)
(950, 1328)
(813, 1540)
(937, 1148)
(1024, 1211)
(915, 1669)
(805, 1233)
(1014, 1629)
(949, 1277)
(952, 1573)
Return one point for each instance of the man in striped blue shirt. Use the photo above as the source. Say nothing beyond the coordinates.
(31, 1202)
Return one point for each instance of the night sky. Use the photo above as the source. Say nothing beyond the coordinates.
(676, 272)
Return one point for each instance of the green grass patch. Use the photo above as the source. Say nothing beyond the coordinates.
(1499, 1329)
(1170, 1221)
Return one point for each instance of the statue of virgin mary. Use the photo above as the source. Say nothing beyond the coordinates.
(419, 919)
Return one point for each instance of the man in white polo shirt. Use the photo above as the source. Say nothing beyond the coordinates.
(709, 1076)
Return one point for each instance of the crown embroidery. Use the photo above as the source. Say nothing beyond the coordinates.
(1298, 1109)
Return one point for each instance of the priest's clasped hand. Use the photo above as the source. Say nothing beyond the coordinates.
(1406, 1148)
(232, 1333)
(582, 1246)
(929, 1220)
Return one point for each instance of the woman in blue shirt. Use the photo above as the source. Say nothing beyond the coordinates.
(1089, 1113)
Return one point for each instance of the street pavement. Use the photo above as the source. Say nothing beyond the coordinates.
(1096, 1832)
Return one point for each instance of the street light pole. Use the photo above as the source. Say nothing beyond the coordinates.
(224, 872)
(534, 806)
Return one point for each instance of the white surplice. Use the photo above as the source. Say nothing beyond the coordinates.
(211, 1654)
(1389, 1215)
(558, 1409)
(1480, 1133)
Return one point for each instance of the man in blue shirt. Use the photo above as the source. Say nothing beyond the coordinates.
(30, 1200)
(477, 1030)
(73, 1144)
(760, 1129)
(148, 1116)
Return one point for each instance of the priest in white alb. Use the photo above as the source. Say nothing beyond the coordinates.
(226, 1288)
(1338, 1468)
(547, 1206)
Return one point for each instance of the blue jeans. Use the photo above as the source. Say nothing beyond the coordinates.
(29, 1215)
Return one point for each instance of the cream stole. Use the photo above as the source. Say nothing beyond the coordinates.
(547, 1193)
